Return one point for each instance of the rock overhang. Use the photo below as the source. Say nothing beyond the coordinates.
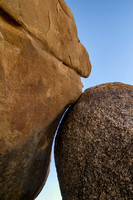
(62, 43)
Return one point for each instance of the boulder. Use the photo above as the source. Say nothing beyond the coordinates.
(52, 26)
(40, 69)
(93, 147)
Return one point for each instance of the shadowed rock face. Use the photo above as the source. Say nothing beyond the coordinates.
(41, 61)
(93, 148)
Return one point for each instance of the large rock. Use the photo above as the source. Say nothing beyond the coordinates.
(52, 26)
(93, 149)
(41, 61)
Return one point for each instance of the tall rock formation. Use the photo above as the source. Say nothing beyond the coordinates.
(93, 147)
(41, 61)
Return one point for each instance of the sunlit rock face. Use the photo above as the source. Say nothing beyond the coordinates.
(41, 61)
(93, 148)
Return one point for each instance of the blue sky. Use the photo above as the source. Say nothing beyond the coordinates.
(105, 28)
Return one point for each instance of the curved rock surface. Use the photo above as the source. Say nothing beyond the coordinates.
(40, 69)
(93, 147)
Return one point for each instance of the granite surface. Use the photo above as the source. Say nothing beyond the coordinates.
(93, 148)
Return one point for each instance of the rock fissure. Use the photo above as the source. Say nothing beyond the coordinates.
(49, 23)
(9, 19)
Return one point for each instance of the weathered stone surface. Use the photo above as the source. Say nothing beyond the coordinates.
(38, 39)
(51, 23)
(93, 148)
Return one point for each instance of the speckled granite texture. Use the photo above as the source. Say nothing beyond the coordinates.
(93, 148)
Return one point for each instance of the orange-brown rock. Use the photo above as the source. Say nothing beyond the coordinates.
(52, 24)
(41, 61)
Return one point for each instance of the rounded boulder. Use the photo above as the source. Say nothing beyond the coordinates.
(93, 147)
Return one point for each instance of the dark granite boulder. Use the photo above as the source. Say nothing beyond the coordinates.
(93, 148)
